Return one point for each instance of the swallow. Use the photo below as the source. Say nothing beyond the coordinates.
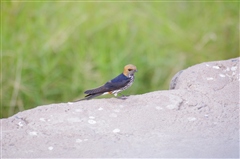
(114, 86)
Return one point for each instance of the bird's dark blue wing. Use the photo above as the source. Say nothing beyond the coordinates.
(118, 82)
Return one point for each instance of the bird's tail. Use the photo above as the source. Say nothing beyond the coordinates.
(89, 96)
(92, 93)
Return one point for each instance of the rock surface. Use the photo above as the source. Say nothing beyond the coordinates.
(198, 117)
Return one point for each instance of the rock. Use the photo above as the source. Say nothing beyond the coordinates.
(197, 118)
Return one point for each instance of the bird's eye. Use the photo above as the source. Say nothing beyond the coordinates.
(129, 69)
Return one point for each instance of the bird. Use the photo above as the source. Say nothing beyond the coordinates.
(120, 83)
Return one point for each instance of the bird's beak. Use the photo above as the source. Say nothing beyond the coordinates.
(136, 70)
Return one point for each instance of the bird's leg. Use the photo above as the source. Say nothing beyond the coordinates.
(123, 96)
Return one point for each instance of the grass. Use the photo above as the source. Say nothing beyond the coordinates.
(53, 51)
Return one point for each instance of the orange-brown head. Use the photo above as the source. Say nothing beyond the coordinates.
(129, 70)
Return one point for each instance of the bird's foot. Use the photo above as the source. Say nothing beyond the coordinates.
(123, 96)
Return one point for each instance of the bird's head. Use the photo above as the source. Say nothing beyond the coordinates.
(129, 70)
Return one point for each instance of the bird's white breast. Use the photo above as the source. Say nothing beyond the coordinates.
(125, 87)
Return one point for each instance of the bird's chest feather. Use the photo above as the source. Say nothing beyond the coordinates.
(129, 84)
(125, 87)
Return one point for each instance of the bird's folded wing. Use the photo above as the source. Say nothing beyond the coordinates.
(101, 89)
(108, 87)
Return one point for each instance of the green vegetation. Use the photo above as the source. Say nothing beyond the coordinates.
(53, 51)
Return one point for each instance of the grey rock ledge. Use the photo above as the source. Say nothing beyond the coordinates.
(198, 117)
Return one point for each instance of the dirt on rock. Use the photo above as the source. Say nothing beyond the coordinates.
(197, 118)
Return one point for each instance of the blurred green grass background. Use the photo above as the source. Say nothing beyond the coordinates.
(53, 51)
